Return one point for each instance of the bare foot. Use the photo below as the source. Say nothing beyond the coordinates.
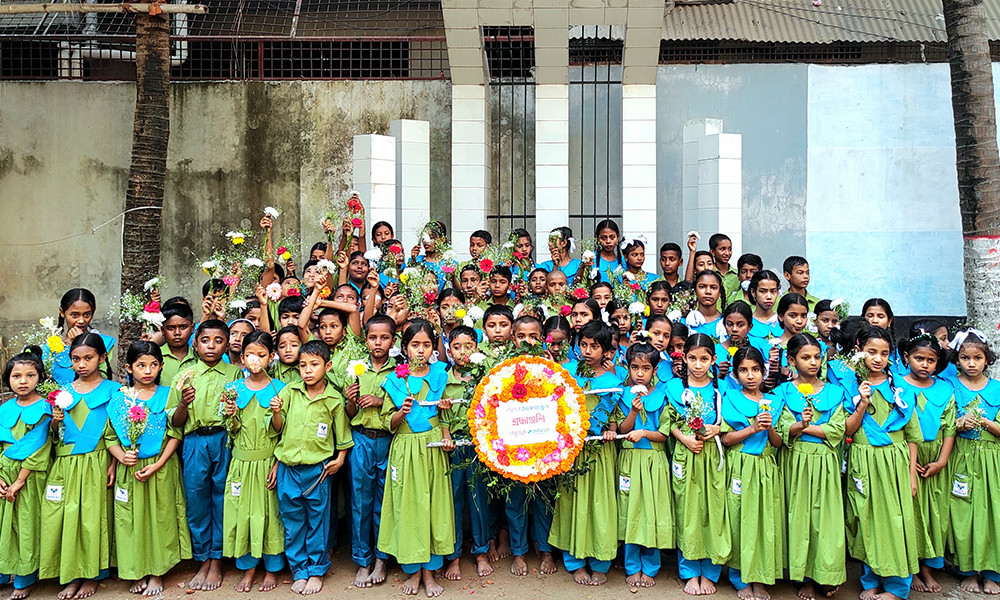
(990, 587)
(581, 576)
(633, 580)
(519, 567)
(412, 585)
(598, 578)
(887, 596)
(746, 593)
(492, 553)
(830, 590)
(807, 591)
(760, 592)
(313, 586)
(87, 589)
(868, 594)
(378, 572)
(246, 582)
(483, 566)
(154, 587)
(298, 585)
(693, 587)
(361, 578)
(138, 587)
(270, 582)
(503, 543)
(69, 591)
(548, 565)
(707, 586)
(431, 586)
(214, 578)
(917, 584)
(198, 581)
(970, 584)
(20, 594)
(454, 571)
(646, 581)
(932, 585)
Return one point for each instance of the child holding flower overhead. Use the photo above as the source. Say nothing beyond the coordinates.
(76, 545)
(812, 429)
(150, 522)
(418, 513)
(24, 458)
(699, 481)
(756, 499)
(584, 521)
(974, 506)
(561, 245)
(252, 529)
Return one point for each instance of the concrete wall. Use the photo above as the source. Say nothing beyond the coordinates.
(234, 148)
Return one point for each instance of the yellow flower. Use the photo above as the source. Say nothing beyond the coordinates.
(55, 344)
(403, 277)
(286, 255)
(237, 240)
(646, 311)
(460, 313)
(359, 369)
(806, 389)
(732, 351)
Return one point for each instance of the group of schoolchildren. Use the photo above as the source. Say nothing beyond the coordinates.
(746, 427)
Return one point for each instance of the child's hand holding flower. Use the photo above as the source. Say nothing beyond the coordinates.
(131, 457)
(276, 404)
(807, 415)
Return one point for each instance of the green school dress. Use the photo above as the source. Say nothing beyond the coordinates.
(150, 517)
(974, 502)
(418, 511)
(935, 410)
(881, 524)
(286, 373)
(585, 516)
(250, 520)
(76, 511)
(756, 492)
(645, 499)
(811, 469)
(699, 485)
(25, 443)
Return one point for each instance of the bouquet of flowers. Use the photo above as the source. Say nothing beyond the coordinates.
(694, 412)
(681, 303)
(842, 308)
(390, 260)
(348, 210)
(589, 247)
(151, 316)
(855, 361)
(136, 415)
(60, 399)
(419, 286)
(229, 394)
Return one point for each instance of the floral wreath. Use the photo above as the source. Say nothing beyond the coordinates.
(521, 379)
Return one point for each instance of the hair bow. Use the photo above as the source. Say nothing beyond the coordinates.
(961, 336)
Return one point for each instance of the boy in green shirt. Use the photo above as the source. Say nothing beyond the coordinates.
(721, 248)
(178, 355)
(796, 270)
(315, 438)
(205, 451)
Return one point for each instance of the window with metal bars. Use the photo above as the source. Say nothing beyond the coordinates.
(731, 51)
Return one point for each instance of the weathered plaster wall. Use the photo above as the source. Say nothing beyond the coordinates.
(234, 148)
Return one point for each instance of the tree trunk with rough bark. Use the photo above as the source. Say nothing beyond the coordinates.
(147, 173)
(977, 160)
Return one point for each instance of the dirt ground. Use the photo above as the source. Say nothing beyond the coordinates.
(501, 584)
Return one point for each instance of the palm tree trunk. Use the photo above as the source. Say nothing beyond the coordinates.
(150, 132)
(977, 160)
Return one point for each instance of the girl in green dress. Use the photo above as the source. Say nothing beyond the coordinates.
(418, 513)
(812, 429)
(933, 400)
(585, 517)
(881, 473)
(76, 512)
(974, 504)
(645, 501)
(24, 458)
(252, 527)
(755, 506)
(150, 521)
(699, 476)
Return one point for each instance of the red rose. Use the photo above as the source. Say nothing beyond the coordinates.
(520, 372)
(697, 423)
(518, 255)
(430, 297)
(519, 390)
(396, 249)
(282, 250)
(635, 287)
(486, 265)
(354, 205)
(356, 222)
(580, 293)
(559, 391)
(494, 401)
(565, 310)
(294, 292)
(676, 356)
(403, 371)
(151, 307)
(503, 459)
(51, 398)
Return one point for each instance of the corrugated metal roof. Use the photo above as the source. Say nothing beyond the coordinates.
(801, 21)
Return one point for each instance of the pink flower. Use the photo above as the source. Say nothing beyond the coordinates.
(151, 307)
(523, 455)
(230, 280)
(565, 310)
(486, 265)
(548, 372)
(551, 457)
(480, 412)
(518, 390)
(137, 414)
(448, 269)
(273, 292)
(356, 222)
(294, 292)
(282, 250)
(403, 371)
(561, 442)
(498, 445)
(548, 339)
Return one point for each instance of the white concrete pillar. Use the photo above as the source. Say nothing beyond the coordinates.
(639, 166)
(413, 173)
(470, 163)
(694, 131)
(375, 177)
(551, 162)
(720, 187)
